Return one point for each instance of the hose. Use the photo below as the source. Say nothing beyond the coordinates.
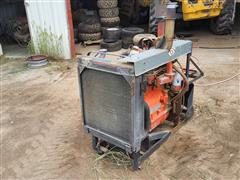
(219, 82)
(215, 83)
(226, 47)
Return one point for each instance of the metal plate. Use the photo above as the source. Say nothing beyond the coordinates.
(153, 58)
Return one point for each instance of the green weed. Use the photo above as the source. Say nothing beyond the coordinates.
(46, 43)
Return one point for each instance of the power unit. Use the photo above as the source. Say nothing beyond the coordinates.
(126, 100)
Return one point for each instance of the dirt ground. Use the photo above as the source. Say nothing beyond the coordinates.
(42, 135)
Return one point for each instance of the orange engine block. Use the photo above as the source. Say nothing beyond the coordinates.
(157, 100)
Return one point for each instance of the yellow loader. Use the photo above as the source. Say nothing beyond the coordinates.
(221, 13)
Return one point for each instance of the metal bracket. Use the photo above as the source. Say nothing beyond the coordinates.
(159, 138)
(196, 74)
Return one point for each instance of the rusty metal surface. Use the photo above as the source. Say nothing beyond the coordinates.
(37, 61)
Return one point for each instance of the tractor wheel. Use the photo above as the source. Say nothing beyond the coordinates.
(222, 24)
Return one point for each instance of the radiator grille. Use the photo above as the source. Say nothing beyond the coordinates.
(107, 103)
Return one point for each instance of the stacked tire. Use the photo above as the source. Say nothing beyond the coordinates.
(111, 39)
(89, 29)
(109, 17)
(108, 11)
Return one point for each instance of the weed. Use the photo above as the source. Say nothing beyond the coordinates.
(30, 47)
(46, 43)
(115, 157)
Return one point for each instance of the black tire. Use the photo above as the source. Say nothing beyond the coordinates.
(89, 37)
(89, 28)
(111, 34)
(125, 45)
(128, 34)
(110, 22)
(91, 19)
(131, 31)
(223, 24)
(113, 46)
(107, 13)
(105, 4)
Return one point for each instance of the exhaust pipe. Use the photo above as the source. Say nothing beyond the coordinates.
(166, 24)
(169, 33)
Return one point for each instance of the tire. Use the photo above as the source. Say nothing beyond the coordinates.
(131, 31)
(128, 34)
(106, 4)
(89, 28)
(125, 45)
(111, 34)
(107, 13)
(223, 24)
(113, 46)
(89, 37)
(110, 22)
(91, 20)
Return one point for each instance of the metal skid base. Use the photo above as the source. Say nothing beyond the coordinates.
(149, 145)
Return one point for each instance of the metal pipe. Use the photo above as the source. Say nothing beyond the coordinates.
(169, 68)
(169, 33)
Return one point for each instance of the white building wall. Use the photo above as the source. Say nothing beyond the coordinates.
(1, 52)
(50, 17)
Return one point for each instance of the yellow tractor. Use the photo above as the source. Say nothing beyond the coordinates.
(221, 13)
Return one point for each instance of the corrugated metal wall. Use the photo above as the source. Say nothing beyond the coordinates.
(50, 17)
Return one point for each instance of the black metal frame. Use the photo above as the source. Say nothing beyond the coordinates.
(192, 75)
(195, 75)
(153, 142)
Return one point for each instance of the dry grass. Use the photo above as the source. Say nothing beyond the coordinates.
(115, 158)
